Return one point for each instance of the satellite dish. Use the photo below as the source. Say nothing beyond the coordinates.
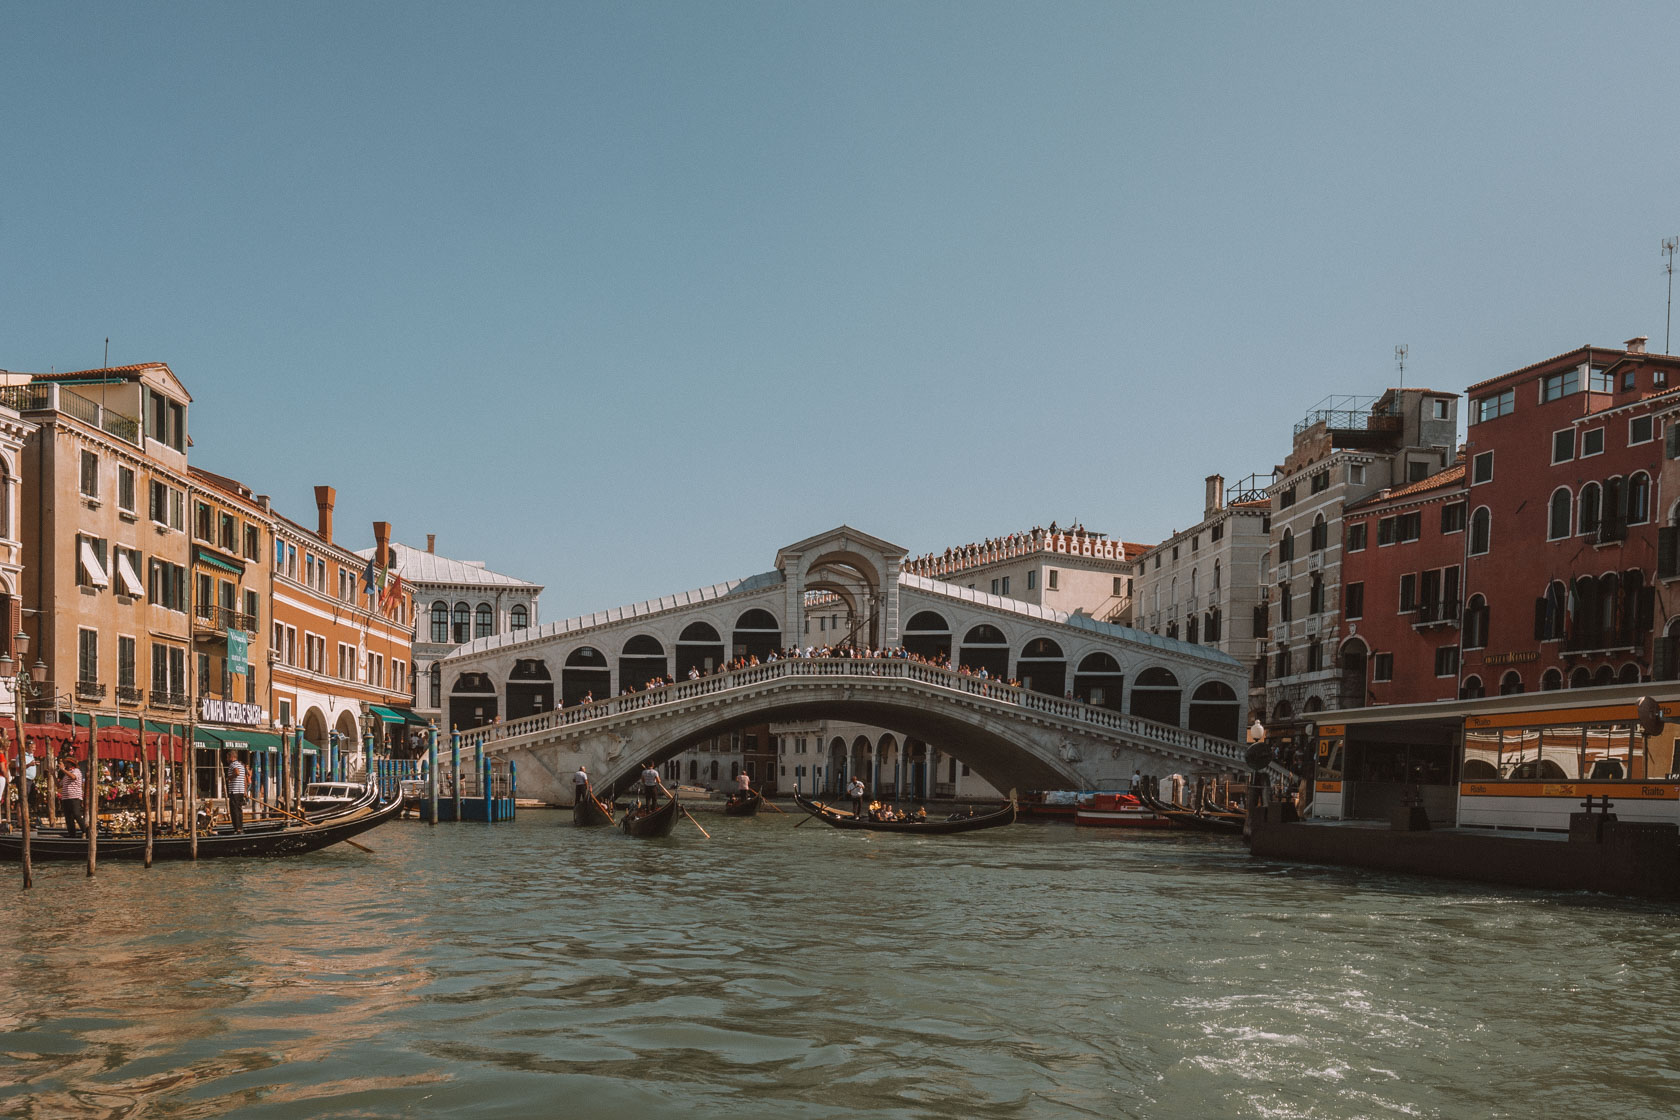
(1650, 716)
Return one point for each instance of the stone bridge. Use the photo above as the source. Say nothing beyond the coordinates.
(1095, 700)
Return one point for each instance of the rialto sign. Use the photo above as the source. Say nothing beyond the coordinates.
(212, 710)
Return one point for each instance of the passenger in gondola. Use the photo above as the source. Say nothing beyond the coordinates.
(920, 816)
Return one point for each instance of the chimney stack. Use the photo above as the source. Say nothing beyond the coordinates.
(1637, 345)
(1215, 499)
(431, 542)
(325, 496)
(382, 543)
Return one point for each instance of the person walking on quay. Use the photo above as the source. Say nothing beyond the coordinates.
(651, 785)
(70, 797)
(855, 789)
(236, 791)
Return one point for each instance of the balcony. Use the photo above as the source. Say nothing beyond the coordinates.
(1442, 613)
(164, 698)
(129, 694)
(52, 397)
(214, 618)
(90, 690)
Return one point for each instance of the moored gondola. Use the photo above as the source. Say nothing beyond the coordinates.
(743, 804)
(589, 811)
(260, 838)
(844, 819)
(1189, 818)
(658, 821)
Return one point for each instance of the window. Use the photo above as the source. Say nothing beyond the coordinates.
(1382, 667)
(226, 533)
(1563, 445)
(125, 661)
(1286, 498)
(201, 521)
(1286, 546)
(1032, 577)
(1638, 498)
(1320, 482)
(1481, 531)
(1452, 518)
(460, 623)
(90, 474)
(1283, 662)
(1356, 537)
(1630, 381)
(1051, 585)
(994, 587)
(440, 622)
(1592, 442)
(1601, 381)
(92, 565)
(125, 489)
(1320, 534)
(1639, 430)
(1408, 593)
(1441, 408)
(1490, 408)
(1385, 530)
(483, 621)
(1006, 585)
(1285, 603)
(1446, 661)
(253, 543)
(1353, 599)
(253, 608)
(166, 585)
(1586, 517)
(1476, 623)
(1195, 542)
(87, 656)
(1315, 595)
(1409, 526)
(1481, 468)
(1356, 474)
(1120, 586)
(1556, 385)
(436, 687)
(1558, 520)
(1217, 532)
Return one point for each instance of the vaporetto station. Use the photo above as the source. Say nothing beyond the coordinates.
(1094, 701)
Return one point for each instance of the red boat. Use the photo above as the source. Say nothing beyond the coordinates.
(1117, 810)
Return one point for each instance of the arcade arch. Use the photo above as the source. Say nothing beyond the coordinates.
(585, 674)
(1099, 681)
(928, 635)
(472, 701)
(530, 688)
(1156, 695)
(641, 660)
(985, 647)
(1042, 668)
(699, 647)
(756, 634)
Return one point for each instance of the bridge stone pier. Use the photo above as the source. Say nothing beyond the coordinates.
(1095, 700)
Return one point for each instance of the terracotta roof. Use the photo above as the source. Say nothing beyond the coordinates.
(1440, 480)
(1607, 351)
(106, 371)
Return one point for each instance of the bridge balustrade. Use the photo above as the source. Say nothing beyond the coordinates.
(935, 676)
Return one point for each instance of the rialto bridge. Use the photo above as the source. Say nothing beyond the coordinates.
(1094, 700)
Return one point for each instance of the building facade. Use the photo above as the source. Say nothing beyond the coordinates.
(1074, 570)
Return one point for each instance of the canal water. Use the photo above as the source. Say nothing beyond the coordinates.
(531, 969)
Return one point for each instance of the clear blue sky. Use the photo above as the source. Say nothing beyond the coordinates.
(622, 297)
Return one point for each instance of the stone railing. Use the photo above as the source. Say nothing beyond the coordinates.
(865, 671)
(1014, 547)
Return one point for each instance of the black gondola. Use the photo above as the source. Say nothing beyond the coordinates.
(842, 818)
(658, 821)
(589, 811)
(743, 804)
(1189, 818)
(261, 838)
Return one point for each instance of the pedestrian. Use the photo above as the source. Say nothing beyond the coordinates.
(855, 789)
(236, 790)
(1137, 780)
(70, 797)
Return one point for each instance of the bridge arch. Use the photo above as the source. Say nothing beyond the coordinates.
(530, 688)
(986, 647)
(641, 660)
(1156, 695)
(699, 647)
(756, 633)
(1042, 667)
(1215, 710)
(585, 675)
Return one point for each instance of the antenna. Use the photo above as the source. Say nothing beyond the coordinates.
(1669, 245)
(1400, 353)
(107, 352)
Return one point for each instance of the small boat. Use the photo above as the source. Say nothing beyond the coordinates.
(324, 800)
(658, 821)
(1118, 810)
(1226, 823)
(260, 838)
(956, 822)
(1051, 804)
(589, 811)
(743, 803)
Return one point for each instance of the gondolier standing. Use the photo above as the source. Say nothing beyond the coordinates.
(651, 785)
(70, 797)
(236, 790)
(580, 785)
(855, 788)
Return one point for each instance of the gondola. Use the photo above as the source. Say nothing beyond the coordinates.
(1189, 818)
(260, 838)
(657, 821)
(842, 818)
(746, 805)
(589, 811)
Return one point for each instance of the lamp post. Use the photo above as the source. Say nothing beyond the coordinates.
(1258, 756)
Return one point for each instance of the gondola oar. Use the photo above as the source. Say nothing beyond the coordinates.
(306, 820)
(692, 821)
(776, 807)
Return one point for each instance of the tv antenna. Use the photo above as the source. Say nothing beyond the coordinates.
(1669, 245)
(1400, 352)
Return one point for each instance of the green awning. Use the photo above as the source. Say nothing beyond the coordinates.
(210, 558)
(390, 715)
(253, 740)
(208, 738)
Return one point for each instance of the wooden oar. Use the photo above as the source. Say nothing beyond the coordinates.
(306, 820)
(692, 821)
(777, 807)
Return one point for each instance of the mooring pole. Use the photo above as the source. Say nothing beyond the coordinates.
(431, 773)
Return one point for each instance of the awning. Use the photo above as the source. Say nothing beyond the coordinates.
(250, 740)
(391, 715)
(129, 578)
(92, 568)
(206, 557)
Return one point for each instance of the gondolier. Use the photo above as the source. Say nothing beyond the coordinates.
(855, 790)
(580, 784)
(651, 785)
(70, 797)
(236, 790)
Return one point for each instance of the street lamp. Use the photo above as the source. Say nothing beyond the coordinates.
(1258, 756)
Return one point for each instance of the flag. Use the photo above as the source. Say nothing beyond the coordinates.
(393, 592)
(367, 577)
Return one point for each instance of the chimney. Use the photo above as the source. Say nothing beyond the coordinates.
(1637, 345)
(382, 542)
(431, 542)
(1215, 499)
(262, 500)
(325, 496)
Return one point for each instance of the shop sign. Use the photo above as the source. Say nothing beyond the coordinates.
(238, 649)
(212, 710)
(1518, 658)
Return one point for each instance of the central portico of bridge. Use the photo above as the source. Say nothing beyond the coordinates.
(1093, 700)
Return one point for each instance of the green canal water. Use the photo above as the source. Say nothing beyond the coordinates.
(531, 969)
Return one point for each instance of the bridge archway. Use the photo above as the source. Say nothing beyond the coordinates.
(928, 635)
(1099, 681)
(585, 673)
(985, 647)
(1156, 695)
(1042, 668)
(472, 701)
(756, 633)
(1214, 710)
(699, 647)
(641, 660)
(530, 688)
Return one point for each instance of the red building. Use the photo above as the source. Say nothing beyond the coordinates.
(1402, 591)
(1563, 462)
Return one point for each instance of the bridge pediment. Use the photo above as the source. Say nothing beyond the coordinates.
(842, 539)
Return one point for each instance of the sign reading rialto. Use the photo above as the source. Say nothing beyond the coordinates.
(212, 710)
(238, 649)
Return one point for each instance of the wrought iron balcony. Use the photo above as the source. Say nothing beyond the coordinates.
(1442, 613)
(164, 698)
(212, 617)
(90, 690)
(130, 694)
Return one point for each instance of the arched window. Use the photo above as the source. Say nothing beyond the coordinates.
(440, 622)
(1638, 498)
(1557, 525)
(1193, 629)
(1215, 587)
(1629, 674)
(1286, 546)
(1476, 623)
(1481, 531)
(1195, 581)
(1511, 683)
(1210, 626)
(1551, 680)
(1315, 595)
(1580, 677)
(1551, 612)
(6, 503)
(518, 618)
(1320, 534)
(461, 623)
(1471, 689)
(483, 621)
(1586, 512)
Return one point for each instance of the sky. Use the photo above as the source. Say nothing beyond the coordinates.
(622, 298)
